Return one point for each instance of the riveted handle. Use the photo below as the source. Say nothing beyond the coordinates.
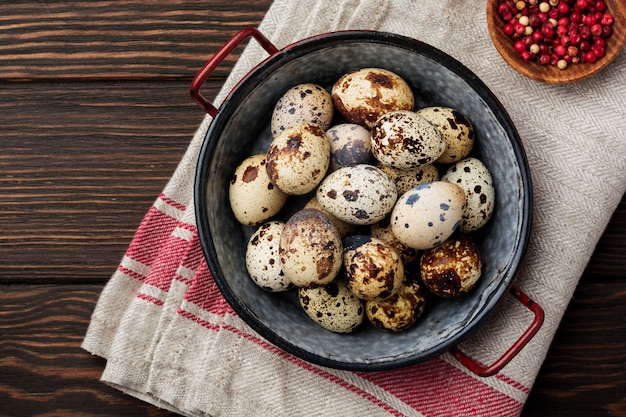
(220, 55)
(489, 370)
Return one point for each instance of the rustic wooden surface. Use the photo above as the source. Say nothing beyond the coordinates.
(94, 117)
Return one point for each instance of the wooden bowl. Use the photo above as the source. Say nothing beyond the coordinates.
(550, 73)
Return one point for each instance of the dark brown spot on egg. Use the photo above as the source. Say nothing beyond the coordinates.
(294, 142)
(351, 195)
(379, 79)
(333, 290)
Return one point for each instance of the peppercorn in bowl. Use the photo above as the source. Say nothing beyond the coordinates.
(557, 41)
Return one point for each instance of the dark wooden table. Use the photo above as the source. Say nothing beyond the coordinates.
(94, 117)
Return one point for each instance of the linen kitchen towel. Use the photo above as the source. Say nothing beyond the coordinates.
(171, 339)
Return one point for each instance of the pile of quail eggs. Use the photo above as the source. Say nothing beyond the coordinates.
(382, 228)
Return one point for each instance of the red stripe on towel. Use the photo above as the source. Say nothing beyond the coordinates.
(151, 299)
(438, 389)
(152, 232)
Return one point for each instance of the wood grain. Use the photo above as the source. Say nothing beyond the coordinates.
(113, 40)
(43, 370)
(94, 118)
(82, 158)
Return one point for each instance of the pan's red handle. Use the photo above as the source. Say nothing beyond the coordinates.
(489, 370)
(222, 53)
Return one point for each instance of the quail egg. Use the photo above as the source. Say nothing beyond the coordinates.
(404, 139)
(475, 179)
(373, 268)
(361, 194)
(262, 260)
(456, 129)
(400, 311)
(298, 158)
(362, 96)
(333, 306)
(310, 249)
(428, 214)
(453, 268)
(350, 145)
(253, 197)
(302, 103)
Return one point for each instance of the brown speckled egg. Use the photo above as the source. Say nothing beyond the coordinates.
(373, 268)
(350, 144)
(428, 214)
(453, 268)
(475, 179)
(344, 228)
(456, 129)
(361, 194)
(310, 249)
(308, 103)
(298, 158)
(382, 230)
(253, 197)
(262, 260)
(333, 306)
(400, 311)
(364, 95)
(404, 139)
(405, 179)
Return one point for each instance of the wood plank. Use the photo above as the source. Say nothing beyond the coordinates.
(109, 149)
(126, 39)
(43, 370)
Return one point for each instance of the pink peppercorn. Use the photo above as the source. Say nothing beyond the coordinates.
(519, 46)
(596, 30)
(590, 57)
(557, 32)
(607, 19)
(598, 51)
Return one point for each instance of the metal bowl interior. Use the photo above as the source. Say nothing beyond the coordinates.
(241, 128)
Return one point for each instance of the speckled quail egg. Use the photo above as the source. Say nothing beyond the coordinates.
(302, 103)
(298, 158)
(428, 214)
(372, 267)
(405, 179)
(453, 268)
(400, 311)
(382, 230)
(474, 178)
(404, 139)
(262, 260)
(253, 197)
(310, 249)
(350, 144)
(333, 306)
(361, 194)
(456, 129)
(362, 96)
(344, 228)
